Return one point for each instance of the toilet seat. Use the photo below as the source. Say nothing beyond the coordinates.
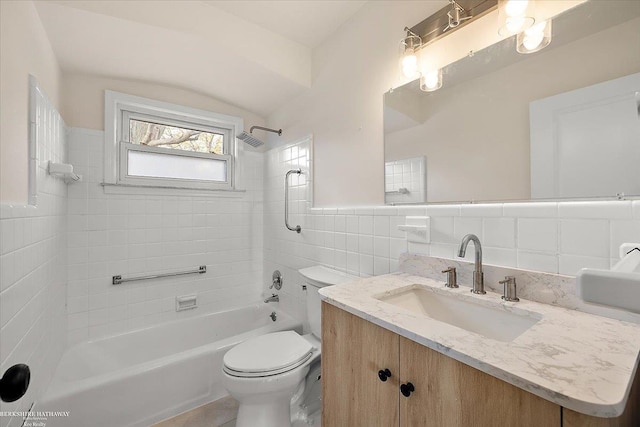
(267, 355)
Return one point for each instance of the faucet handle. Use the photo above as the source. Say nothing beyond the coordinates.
(510, 290)
(452, 277)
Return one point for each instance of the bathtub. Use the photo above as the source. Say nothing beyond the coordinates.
(144, 376)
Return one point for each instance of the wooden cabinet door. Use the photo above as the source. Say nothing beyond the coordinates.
(449, 393)
(353, 351)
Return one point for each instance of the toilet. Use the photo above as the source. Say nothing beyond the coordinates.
(264, 373)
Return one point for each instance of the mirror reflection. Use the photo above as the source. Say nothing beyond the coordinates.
(560, 123)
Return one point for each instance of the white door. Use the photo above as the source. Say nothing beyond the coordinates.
(586, 143)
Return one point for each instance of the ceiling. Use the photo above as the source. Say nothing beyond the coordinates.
(253, 54)
(307, 22)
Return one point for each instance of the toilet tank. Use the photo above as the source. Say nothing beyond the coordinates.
(315, 278)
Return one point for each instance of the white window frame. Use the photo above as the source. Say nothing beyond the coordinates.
(120, 107)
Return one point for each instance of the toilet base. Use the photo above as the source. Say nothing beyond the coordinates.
(267, 414)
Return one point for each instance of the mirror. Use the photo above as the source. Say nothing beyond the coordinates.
(562, 123)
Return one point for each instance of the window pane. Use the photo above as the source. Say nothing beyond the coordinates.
(157, 165)
(159, 135)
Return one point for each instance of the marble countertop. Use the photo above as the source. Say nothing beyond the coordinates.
(580, 361)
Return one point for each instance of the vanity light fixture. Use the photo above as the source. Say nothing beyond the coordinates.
(535, 38)
(514, 16)
(409, 46)
(455, 16)
(431, 80)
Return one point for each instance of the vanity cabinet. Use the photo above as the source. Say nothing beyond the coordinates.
(353, 393)
(436, 390)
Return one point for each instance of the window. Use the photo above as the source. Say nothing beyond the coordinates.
(152, 143)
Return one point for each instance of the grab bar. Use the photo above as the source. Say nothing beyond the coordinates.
(116, 280)
(398, 191)
(297, 228)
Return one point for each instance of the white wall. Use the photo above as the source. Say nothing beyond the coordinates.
(343, 108)
(25, 50)
(33, 268)
(83, 101)
(140, 234)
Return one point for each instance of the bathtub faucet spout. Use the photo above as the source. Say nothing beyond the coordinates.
(273, 298)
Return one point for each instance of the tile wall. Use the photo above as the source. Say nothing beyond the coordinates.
(33, 273)
(405, 181)
(548, 237)
(134, 234)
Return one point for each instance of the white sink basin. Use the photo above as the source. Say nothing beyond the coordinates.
(495, 323)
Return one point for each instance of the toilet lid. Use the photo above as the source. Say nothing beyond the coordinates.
(277, 351)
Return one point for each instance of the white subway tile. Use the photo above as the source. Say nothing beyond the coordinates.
(381, 247)
(397, 247)
(386, 210)
(636, 209)
(587, 237)
(443, 210)
(364, 211)
(483, 210)
(442, 250)
(352, 224)
(365, 224)
(498, 256)
(366, 265)
(381, 226)
(352, 242)
(380, 266)
(499, 232)
(538, 261)
(531, 210)
(77, 304)
(571, 264)
(464, 226)
(394, 222)
(607, 210)
(417, 248)
(365, 244)
(442, 230)
(412, 210)
(78, 321)
(353, 263)
(538, 234)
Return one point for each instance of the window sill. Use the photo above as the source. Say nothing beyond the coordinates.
(169, 191)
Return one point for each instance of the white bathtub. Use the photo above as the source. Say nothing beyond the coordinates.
(141, 377)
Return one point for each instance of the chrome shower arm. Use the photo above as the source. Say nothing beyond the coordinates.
(297, 228)
(278, 131)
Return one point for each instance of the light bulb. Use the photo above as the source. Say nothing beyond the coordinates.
(516, 7)
(535, 38)
(431, 81)
(532, 41)
(514, 16)
(515, 23)
(410, 64)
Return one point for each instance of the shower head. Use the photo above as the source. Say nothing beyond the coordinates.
(249, 139)
(252, 140)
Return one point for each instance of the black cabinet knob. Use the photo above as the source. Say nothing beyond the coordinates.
(384, 374)
(14, 383)
(407, 389)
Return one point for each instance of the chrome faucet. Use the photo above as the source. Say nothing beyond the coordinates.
(478, 276)
(273, 298)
